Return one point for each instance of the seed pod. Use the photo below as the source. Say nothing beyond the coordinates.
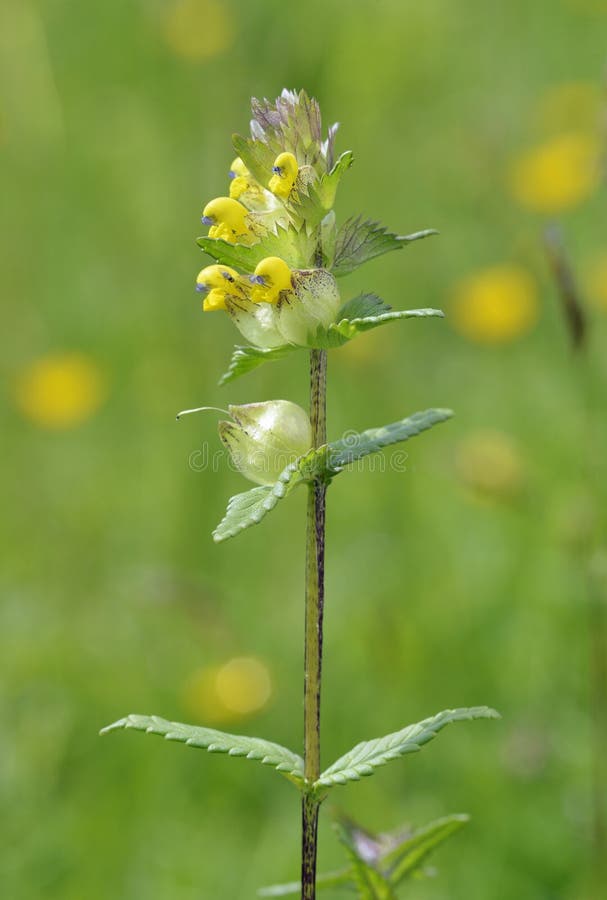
(264, 438)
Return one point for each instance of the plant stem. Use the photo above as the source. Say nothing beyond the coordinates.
(315, 564)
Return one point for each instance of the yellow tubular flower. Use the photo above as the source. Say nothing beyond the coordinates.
(215, 282)
(272, 275)
(227, 218)
(240, 178)
(285, 170)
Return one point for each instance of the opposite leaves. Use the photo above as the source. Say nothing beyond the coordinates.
(267, 753)
(250, 507)
(391, 857)
(362, 313)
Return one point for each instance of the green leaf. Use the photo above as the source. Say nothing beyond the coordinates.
(355, 446)
(362, 306)
(250, 507)
(341, 332)
(406, 858)
(269, 754)
(337, 879)
(245, 359)
(367, 756)
(360, 240)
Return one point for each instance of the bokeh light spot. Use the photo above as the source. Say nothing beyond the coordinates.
(227, 692)
(244, 685)
(60, 390)
(489, 462)
(557, 174)
(198, 30)
(495, 305)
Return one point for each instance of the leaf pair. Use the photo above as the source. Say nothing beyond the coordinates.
(379, 864)
(361, 761)
(362, 313)
(250, 507)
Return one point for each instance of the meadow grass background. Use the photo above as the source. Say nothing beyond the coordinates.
(459, 582)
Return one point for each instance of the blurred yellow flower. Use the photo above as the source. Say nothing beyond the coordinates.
(596, 282)
(198, 30)
(490, 463)
(60, 391)
(237, 688)
(557, 174)
(570, 105)
(495, 305)
(244, 685)
(588, 6)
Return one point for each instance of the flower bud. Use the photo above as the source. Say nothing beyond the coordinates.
(265, 437)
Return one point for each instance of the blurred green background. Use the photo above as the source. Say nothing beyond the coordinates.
(461, 581)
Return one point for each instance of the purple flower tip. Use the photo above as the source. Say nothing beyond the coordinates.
(201, 288)
(277, 170)
(256, 279)
(207, 220)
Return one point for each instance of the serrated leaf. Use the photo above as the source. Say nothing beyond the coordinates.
(404, 859)
(363, 305)
(284, 761)
(341, 332)
(250, 507)
(245, 359)
(360, 240)
(367, 756)
(341, 878)
(357, 445)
